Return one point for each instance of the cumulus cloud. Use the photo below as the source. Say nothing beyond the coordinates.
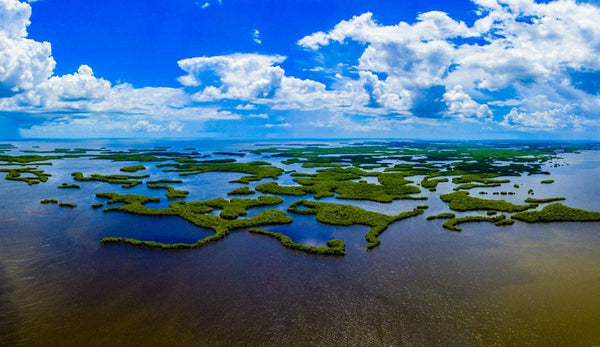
(23, 62)
(521, 65)
(515, 51)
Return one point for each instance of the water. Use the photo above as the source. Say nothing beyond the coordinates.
(526, 284)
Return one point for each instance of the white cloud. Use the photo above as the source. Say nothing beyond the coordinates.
(23, 62)
(521, 49)
(236, 76)
(256, 36)
(278, 125)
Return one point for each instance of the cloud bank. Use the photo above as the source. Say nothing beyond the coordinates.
(520, 66)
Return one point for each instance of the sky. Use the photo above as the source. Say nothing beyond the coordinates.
(481, 69)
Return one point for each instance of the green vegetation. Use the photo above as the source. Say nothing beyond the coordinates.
(431, 184)
(422, 207)
(541, 201)
(49, 201)
(196, 213)
(164, 180)
(500, 220)
(491, 213)
(69, 186)
(338, 214)
(558, 212)
(516, 185)
(67, 204)
(334, 246)
(172, 193)
(461, 201)
(258, 170)
(443, 215)
(126, 181)
(97, 205)
(241, 191)
(15, 174)
(327, 182)
(547, 181)
(133, 168)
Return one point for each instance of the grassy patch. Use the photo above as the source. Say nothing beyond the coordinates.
(547, 181)
(67, 204)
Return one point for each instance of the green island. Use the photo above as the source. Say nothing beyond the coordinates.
(241, 191)
(443, 215)
(126, 181)
(97, 205)
(432, 184)
(557, 212)
(197, 214)
(133, 168)
(334, 246)
(67, 204)
(69, 186)
(338, 214)
(462, 201)
(49, 201)
(544, 200)
(452, 223)
(547, 181)
(16, 174)
(164, 180)
(172, 193)
(258, 170)
(327, 182)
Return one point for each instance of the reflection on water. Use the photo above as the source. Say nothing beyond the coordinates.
(524, 284)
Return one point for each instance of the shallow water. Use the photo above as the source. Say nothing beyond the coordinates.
(525, 284)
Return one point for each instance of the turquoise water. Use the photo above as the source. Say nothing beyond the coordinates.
(518, 285)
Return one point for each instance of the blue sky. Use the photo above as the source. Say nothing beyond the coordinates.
(438, 69)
